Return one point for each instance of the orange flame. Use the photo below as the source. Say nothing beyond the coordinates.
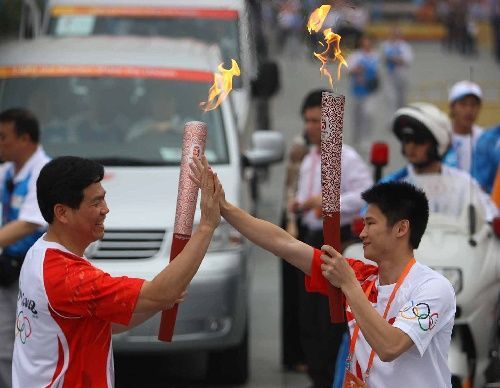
(332, 52)
(331, 39)
(317, 18)
(223, 84)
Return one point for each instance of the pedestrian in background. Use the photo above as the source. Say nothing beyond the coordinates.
(289, 26)
(425, 132)
(365, 80)
(319, 338)
(465, 99)
(292, 354)
(22, 222)
(397, 56)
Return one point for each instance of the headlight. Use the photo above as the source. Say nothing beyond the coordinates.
(454, 275)
(225, 238)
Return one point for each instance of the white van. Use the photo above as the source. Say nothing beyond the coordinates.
(123, 102)
(234, 25)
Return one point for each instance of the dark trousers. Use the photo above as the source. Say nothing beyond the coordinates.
(291, 281)
(10, 267)
(307, 334)
(319, 338)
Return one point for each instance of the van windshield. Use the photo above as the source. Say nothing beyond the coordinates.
(116, 120)
(220, 31)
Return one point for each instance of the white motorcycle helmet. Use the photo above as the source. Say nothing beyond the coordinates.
(424, 121)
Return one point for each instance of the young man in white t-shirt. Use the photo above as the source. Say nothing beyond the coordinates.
(411, 342)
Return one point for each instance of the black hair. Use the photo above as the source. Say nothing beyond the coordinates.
(24, 121)
(401, 201)
(312, 100)
(62, 181)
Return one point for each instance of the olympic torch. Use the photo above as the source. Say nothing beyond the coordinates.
(193, 144)
(332, 121)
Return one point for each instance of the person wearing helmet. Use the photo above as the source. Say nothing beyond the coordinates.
(425, 135)
(465, 98)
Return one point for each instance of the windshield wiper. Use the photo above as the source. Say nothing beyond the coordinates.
(120, 161)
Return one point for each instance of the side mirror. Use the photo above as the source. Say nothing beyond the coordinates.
(379, 157)
(267, 83)
(268, 147)
(31, 20)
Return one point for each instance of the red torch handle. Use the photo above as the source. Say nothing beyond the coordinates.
(168, 317)
(331, 236)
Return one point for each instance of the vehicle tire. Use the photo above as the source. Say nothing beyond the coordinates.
(229, 366)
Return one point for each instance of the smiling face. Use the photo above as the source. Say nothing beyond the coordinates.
(87, 222)
(378, 236)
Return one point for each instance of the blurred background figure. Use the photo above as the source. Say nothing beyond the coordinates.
(456, 25)
(465, 99)
(425, 132)
(290, 26)
(47, 108)
(352, 20)
(292, 354)
(495, 28)
(397, 56)
(160, 116)
(22, 223)
(104, 116)
(364, 73)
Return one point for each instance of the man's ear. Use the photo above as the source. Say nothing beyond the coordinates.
(402, 228)
(61, 213)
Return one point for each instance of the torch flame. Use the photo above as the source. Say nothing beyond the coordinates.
(332, 52)
(331, 39)
(317, 18)
(223, 84)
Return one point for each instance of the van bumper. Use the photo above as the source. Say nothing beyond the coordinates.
(213, 315)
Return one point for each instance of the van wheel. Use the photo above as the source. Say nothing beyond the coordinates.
(229, 366)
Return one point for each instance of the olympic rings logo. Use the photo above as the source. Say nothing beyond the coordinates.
(422, 313)
(23, 327)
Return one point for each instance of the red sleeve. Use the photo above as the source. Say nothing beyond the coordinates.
(75, 288)
(316, 282)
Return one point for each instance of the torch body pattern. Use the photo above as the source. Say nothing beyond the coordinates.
(193, 144)
(332, 122)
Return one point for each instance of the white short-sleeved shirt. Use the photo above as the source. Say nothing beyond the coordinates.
(65, 309)
(450, 190)
(464, 146)
(29, 210)
(424, 308)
